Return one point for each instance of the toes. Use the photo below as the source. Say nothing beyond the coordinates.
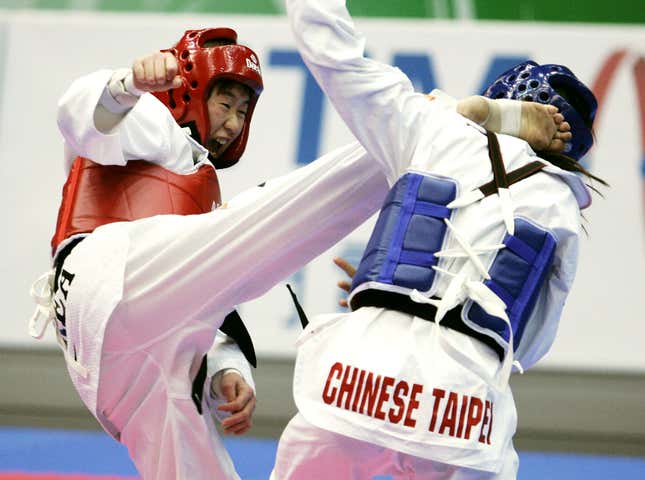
(564, 127)
(556, 145)
(565, 136)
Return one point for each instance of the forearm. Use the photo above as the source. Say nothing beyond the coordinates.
(111, 131)
(117, 99)
(376, 101)
(76, 119)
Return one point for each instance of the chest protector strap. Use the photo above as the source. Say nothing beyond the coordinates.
(95, 195)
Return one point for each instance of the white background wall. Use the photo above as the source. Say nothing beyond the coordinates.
(603, 325)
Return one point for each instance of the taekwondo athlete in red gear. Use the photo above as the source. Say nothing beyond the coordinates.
(96, 194)
(142, 286)
(465, 274)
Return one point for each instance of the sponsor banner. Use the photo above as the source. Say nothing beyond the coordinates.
(42, 52)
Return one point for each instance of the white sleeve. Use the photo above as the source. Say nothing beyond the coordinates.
(147, 132)
(226, 354)
(376, 101)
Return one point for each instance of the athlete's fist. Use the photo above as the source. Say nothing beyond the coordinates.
(156, 72)
(240, 403)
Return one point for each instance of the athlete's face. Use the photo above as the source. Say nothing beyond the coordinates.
(227, 108)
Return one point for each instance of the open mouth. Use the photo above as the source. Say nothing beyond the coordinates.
(216, 146)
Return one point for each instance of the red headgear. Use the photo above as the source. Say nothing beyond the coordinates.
(200, 67)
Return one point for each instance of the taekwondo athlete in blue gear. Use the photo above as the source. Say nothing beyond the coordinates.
(466, 273)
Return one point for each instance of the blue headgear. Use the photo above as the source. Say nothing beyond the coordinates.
(532, 82)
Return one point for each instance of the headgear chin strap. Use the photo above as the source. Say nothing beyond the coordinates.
(553, 85)
(200, 67)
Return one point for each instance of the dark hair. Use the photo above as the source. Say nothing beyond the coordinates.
(571, 165)
(218, 42)
(227, 84)
(583, 108)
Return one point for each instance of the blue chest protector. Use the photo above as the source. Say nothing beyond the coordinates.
(517, 275)
(400, 255)
(409, 230)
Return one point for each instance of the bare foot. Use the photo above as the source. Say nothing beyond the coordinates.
(543, 127)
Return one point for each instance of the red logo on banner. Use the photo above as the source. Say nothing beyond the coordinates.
(603, 83)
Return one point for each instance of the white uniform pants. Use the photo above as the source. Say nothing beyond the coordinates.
(306, 452)
(148, 296)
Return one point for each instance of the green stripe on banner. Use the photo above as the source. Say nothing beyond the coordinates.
(588, 11)
(204, 6)
(596, 11)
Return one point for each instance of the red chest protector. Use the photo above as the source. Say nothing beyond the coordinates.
(96, 194)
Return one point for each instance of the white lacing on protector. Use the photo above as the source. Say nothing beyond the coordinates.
(41, 291)
(460, 288)
(506, 204)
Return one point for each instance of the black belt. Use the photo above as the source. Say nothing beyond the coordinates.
(60, 258)
(403, 303)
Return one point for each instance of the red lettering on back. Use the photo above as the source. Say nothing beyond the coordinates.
(387, 382)
(474, 415)
(482, 435)
(401, 388)
(370, 393)
(450, 415)
(346, 387)
(490, 425)
(329, 395)
(462, 414)
(357, 392)
(413, 404)
(438, 395)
